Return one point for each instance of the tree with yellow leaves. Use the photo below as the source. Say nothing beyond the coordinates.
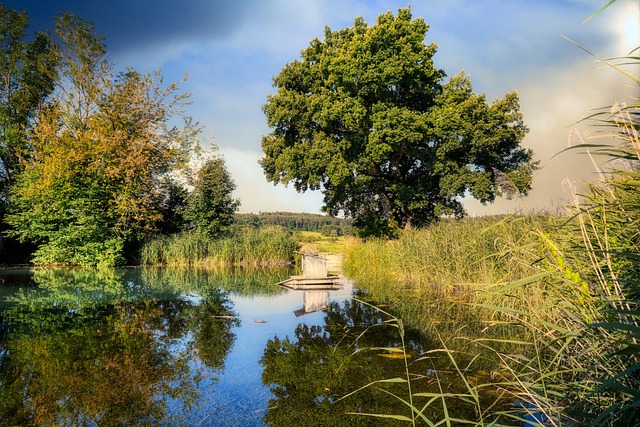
(102, 152)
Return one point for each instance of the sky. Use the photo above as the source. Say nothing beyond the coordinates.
(232, 49)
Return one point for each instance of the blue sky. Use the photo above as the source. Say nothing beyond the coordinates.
(232, 49)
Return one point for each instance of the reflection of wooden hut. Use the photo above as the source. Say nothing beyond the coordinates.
(312, 301)
(314, 275)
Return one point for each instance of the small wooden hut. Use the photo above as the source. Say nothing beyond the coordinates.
(314, 275)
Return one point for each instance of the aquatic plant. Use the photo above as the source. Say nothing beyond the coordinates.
(246, 246)
(577, 358)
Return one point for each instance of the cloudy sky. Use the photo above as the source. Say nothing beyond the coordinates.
(232, 49)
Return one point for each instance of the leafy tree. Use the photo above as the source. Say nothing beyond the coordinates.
(366, 117)
(27, 76)
(172, 206)
(96, 183)
(210, 206)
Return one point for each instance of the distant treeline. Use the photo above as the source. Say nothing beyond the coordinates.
(298, 222)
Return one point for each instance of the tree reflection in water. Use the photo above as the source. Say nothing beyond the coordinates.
(309, 374)
(81, 350)
(144, 347)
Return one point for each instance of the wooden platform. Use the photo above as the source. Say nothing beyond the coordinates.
(328, 282)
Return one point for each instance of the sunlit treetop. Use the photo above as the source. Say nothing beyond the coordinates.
(367, 117)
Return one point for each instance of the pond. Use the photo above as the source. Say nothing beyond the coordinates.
(169, 347)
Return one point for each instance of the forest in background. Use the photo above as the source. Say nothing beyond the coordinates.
(326, 225)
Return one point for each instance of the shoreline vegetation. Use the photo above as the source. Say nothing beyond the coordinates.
(554, 298)
(269, 246)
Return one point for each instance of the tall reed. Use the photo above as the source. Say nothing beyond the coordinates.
(462, 261)
(567, 288)
(581, 363)
(246, 246)
(585, 365)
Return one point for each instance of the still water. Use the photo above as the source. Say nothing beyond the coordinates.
(82, 347)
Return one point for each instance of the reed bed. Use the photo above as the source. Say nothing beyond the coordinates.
(454, 261)
(549, 302)
(246, 246)
(586, 368)
(556, 299)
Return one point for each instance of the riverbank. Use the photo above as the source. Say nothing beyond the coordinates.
(245, 246)
(556, 298)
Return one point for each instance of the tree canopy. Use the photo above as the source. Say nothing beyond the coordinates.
(210, 206)
(366, 117)
(95, 184)
(27, 77)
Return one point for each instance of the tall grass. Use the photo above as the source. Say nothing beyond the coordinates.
(246, 246)
(553, 301)
(585, 367)
(421, 402)
(586, 370)
(426, 270)
(571, 286)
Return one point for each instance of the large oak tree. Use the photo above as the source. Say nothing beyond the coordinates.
(366, 117)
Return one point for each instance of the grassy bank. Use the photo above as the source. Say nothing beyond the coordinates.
(321, 243)
(556, 300)
(455, 261)
(246, 246)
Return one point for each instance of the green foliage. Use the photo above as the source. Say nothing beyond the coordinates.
(586, 368)
(450, 260)
(296, 221)
(365, 116)
(27, 75)
(210, 206)
(172, 206)
(577, 358)
(95, 185)
(266, 246)
(605, 253)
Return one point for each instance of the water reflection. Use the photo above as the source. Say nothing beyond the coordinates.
(85, 349)
(178, 347)
(310, 372)
(312, 301)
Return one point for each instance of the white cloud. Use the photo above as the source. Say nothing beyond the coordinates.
(256, 194)
(628, 31)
